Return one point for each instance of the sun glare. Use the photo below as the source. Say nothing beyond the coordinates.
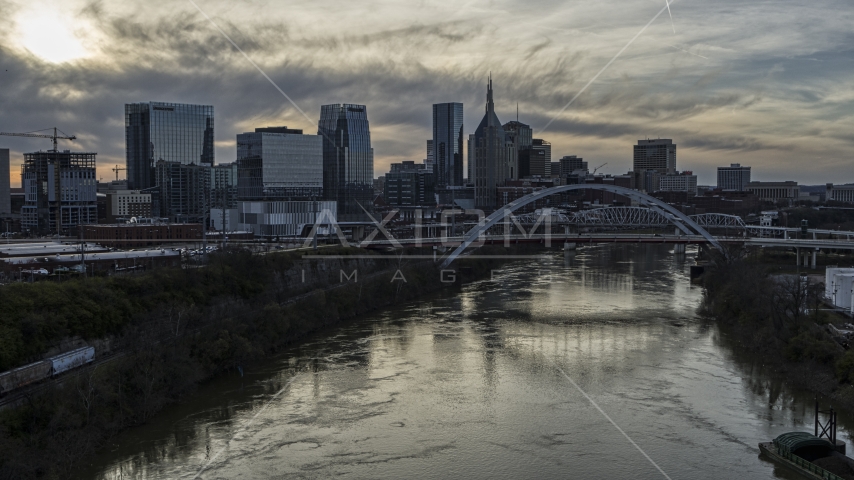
(49, 35)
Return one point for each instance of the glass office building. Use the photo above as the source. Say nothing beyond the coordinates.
(448, 143)
(348, 159)
(169, 132)
(279, 166)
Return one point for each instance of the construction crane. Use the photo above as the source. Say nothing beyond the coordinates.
(597, 168)
(117, 170)
(53, 137)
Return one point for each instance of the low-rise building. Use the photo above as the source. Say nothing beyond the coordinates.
(127, 204)
(840, 193)
(775, 191)
(135, 235)
(272, 218)
(516, 189)
(678, 182)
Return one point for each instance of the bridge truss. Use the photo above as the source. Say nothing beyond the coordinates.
(639, 217)
(673, 216)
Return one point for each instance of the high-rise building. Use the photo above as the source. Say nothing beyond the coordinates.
(532, 163)
(546, 148)
(734, 177)
(520, 134)
(169, 132)
(279, 182)
(659, 155)
(60, 191)
(429, 162)
(224, 185)
(494, 156)
(5, 192)
(448, 143)
(571, 163)
(183, 191)
(279, 164)
(470, 159)
(348, 158)
(409, 184)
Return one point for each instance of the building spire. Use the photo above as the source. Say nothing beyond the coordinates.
(489, 105)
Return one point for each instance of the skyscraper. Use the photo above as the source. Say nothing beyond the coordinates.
(429, 161)
(348, 158)
(546, 147)
(652, 159)
(470, 159)
(171, 132)
(520, 134)
(448, 144)
(494, 153)
(658, 155)
(733, 177)
(5, 192)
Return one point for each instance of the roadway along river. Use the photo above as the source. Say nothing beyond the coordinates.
(487, 383)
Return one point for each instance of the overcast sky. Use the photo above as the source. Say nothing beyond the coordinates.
(769, 84)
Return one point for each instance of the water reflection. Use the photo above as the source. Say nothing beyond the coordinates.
(465, 384)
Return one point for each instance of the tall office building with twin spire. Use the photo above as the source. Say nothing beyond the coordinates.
(494, 156)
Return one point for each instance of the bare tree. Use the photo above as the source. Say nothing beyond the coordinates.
(85, 387)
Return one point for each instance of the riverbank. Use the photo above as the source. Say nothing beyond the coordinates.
(776, 323)
(176, 329)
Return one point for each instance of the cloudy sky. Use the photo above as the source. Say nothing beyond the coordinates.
(768, 84)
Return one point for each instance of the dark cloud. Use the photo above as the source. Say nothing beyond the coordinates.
(744, 97)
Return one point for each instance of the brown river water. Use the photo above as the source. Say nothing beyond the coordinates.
(588, 365)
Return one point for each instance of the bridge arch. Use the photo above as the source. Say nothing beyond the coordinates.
(677, 218)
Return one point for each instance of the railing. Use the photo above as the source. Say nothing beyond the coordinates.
(809, 466)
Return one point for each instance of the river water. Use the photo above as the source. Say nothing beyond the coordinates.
(588, 365)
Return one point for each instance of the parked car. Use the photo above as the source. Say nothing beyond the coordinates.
(36, 271)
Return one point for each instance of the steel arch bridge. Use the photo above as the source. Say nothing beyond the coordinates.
(630, 217)
(674, 217)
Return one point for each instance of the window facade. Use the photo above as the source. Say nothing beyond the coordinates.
(171, 132)
(447, 145)
(348, 158)
(279, 166)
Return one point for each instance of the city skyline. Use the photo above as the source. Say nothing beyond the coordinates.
(767, 96)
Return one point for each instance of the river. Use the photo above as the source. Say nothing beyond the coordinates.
(588, 365)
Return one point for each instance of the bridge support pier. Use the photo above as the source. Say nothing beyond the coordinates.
(679, 249)
(569, 246)
(813, 263)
